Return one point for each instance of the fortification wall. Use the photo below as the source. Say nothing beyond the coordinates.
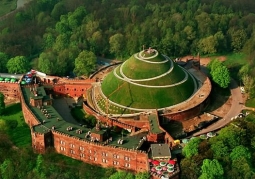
(108, 120)
(187, 114)
(29, 116)
(40, 141)
(73, 90)
(10, 90)
(95, 153)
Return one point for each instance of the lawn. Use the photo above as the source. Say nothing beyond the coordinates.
(20, 133)
(250, 103)
(235, 59)
(7, 6)
(234, 62)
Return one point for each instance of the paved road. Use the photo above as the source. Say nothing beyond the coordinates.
(234, 110)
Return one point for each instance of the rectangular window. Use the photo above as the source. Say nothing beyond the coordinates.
(115, 156)
(72, 152)
(127, 165)
(104, 160)
(71, 145)
(62, 142)
(104, 154)
(62, 148)
(82, 148)
(82, 155)
(116, 163)
(127, 158)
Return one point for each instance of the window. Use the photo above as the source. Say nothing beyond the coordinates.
(82, 148)
(90, 151)
(127, 158)
(62, 148)
(71, 145)
(116, 163)
(72, 152)
(62, 142)
(115, 156)
(82, 155)
(104, 160)
(127, 165)
(104, 154)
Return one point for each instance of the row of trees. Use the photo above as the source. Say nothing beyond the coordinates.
(59, 31)
(228, 155)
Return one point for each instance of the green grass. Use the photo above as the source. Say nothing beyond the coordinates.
(250, 103)
(234, 62)
(127, 94)
(7, 6)
(235, 59)
(137, 69)
(78, 113)
(19, 135)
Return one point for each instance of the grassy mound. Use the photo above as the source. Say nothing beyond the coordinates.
(137, 69)
(132, 95)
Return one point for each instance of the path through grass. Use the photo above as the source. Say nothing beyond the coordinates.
(7, 6)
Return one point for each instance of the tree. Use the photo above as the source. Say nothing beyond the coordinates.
(239, 152)
(18, 64)
(2, 104)
(3, 62)
(191, 148)
(219, 148)
(46, 62)
(116, 44)
(85, 63)
(7, 169)
(219, 73)
(249, 83)
(211, 169)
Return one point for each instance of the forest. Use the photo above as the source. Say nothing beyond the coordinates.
(55, 36)
(228, 155)
(60, 37)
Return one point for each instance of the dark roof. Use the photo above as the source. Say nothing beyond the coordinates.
(160, 151)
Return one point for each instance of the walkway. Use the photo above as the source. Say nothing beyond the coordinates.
(235, 109)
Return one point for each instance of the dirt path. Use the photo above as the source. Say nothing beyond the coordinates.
(20, 4)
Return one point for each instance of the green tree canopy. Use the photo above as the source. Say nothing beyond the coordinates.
(2, 104)
(18, 64)
(211, 169)
(219, 73)
(3, 62)
(191, 148)
(85, 63)
(239, 152)
(116, 44)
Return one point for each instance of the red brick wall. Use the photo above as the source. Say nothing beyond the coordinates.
(182, 115)
(10, 89)
(73, 90)
(40, 142)
(94, 153)
(29, 117)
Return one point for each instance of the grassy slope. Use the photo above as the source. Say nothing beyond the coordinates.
(20, 136)
(136, 69)
(7, 6)
(142, 97)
